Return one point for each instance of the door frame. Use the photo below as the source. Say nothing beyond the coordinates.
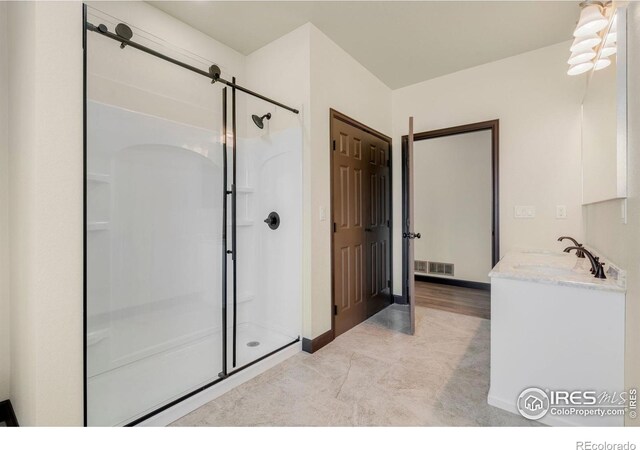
(494, 127)
(335, 116)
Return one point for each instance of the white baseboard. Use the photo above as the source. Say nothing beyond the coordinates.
(190, 404)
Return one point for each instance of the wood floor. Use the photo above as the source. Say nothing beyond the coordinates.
(470, 302)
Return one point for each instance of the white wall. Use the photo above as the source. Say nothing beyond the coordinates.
(604, 228)
(539, 110)
(45, 166)
(4, 210)
(453, 199)
(337, 81)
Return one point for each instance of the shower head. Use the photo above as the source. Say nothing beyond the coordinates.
(259, 121)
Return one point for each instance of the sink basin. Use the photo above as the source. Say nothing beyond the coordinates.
(544, 270)
(544, 253)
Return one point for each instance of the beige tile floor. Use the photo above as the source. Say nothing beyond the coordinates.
(374, 375)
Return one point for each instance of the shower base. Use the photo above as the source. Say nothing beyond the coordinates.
(131, 391)
(248, 334)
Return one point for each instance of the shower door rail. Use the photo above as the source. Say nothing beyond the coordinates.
(213, 74)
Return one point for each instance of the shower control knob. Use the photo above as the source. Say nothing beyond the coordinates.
(273, 220)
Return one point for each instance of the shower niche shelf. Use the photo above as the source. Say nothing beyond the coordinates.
(244, 297)
(245, 223)
(99, 178)
(97, 226)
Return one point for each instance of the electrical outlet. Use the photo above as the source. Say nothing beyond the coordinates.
(524, 212)
(561, 212)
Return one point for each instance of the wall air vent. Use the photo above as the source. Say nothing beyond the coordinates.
(440, 268)
(420, 266)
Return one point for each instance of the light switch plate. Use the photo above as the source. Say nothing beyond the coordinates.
(561, 212)
(323, 214)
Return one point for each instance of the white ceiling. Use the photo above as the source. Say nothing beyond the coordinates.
(400, 42)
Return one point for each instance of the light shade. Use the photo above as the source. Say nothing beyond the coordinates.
(580, 68)
(609, 49)
(585, 43)
(591, 21)
(581, 57)
(602, 63)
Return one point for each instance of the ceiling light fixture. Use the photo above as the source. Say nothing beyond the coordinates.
(602, 63)
(595, 38)
(580, 68)
(581, 57)
(585, 43)
(609, 49)
(591, 19)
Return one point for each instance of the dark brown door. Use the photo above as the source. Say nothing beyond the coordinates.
(377, 222)
(361, 235)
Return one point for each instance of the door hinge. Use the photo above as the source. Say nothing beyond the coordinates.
(334, 144)
(335, 310)
(389, 283)
(335, 227)
(388, 223)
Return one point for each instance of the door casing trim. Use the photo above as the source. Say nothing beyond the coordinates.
(494, 127)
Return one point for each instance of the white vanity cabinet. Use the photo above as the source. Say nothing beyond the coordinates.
(554, 326)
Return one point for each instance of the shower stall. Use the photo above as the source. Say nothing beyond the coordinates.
(193, 224)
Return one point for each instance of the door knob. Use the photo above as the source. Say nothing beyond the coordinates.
(411, 235)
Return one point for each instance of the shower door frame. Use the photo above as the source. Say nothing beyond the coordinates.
(226, 192)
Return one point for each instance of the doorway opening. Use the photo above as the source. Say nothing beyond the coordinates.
(456, 214)
(361, 246)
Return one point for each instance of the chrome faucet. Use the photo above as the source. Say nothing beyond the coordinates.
(596, 266)
(579, 253)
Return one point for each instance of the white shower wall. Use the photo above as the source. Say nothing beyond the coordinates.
(154, 246)
(269, 261)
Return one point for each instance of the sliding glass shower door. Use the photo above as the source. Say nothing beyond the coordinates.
(154, 219)
(193, 211)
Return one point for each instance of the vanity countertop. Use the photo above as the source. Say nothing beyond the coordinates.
(563, 269)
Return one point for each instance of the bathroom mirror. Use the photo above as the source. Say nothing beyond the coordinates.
(604, 126)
